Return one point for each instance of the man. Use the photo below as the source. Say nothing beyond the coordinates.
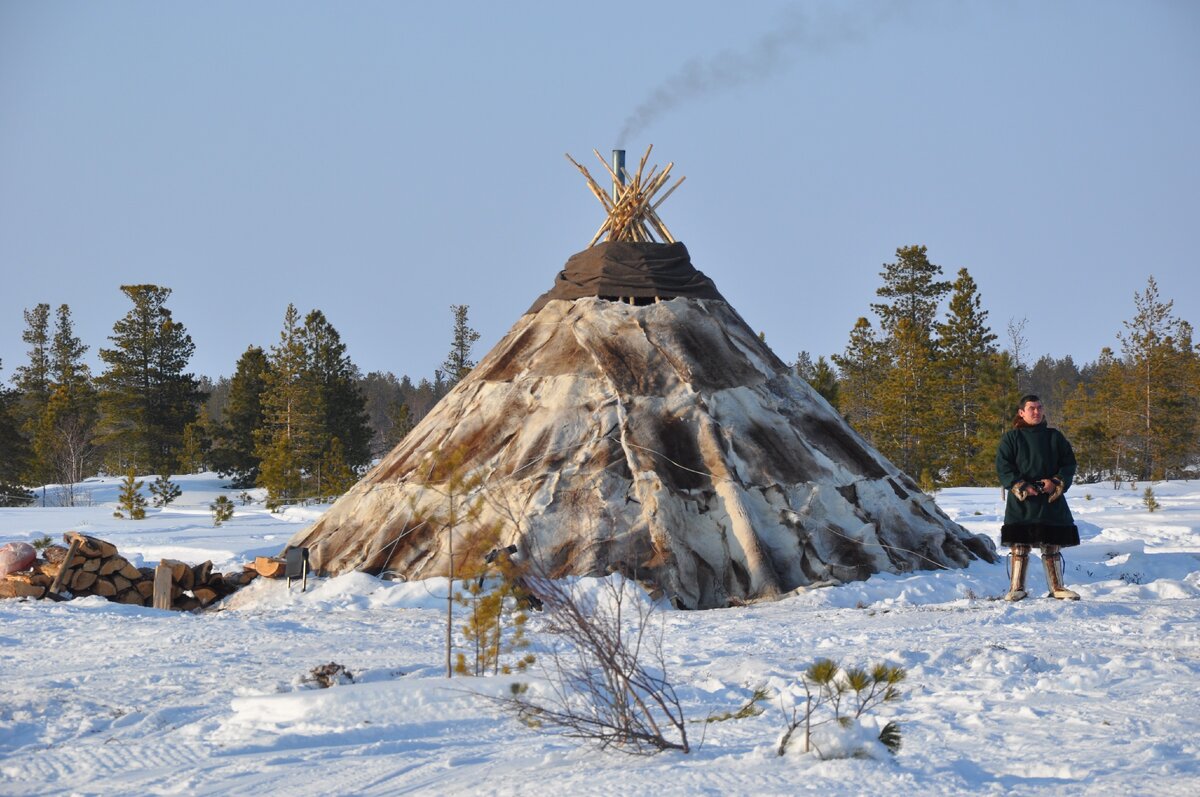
(1036, 465)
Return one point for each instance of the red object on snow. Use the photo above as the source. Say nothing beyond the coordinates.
(16, 556)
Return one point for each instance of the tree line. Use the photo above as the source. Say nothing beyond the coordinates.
(930, 388)
(297, 418)
(924, 380)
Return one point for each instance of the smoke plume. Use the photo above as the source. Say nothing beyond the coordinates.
(767, 56)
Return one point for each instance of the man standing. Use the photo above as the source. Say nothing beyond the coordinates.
(1036, 465)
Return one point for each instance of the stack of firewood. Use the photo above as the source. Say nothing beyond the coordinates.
(89, 566)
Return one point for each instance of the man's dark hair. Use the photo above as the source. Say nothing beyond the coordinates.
(1028, 397)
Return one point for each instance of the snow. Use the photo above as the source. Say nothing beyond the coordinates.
(1038, 697)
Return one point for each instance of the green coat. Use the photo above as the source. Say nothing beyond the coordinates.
(1030, 453)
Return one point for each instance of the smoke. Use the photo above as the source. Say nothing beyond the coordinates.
(767, 56)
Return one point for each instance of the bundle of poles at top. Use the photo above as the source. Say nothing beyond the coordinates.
(632, 205)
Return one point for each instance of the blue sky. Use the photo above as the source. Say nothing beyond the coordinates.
(382, 161)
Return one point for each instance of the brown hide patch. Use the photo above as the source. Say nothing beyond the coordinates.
(634, 371)
(670, 446)
(553, 352)
(776, 451)
(834, 439)
(516, 358)
(702, 354)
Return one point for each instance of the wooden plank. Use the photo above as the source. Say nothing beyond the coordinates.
(162, 586)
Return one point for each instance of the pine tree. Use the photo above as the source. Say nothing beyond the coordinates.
(130, 499)
(1157, 347)
(400, 424)
(164, 490)
(197, 442)
(863, 367)
(335, 378)
(64, 443)
(235, 451)
(222, 509)
(146, 397)
(16, 452)
(911, 427)
(33, 389)
(966, 344)
(290, 440)
(458, 362)
(912, 285)
(336, 474)
(821, 376)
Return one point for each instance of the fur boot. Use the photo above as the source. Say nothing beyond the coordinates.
(1019, 556)
(1052, 560)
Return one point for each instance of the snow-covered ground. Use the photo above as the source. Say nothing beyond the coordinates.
(1040, 697)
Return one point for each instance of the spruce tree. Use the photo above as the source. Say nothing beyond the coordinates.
(146, 396)
(458, 362)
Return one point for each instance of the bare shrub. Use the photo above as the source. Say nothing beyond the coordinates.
(606, 676)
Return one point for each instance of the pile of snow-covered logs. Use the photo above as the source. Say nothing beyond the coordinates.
(89, 566)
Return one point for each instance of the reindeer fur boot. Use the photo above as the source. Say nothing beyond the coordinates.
(1019, 555)
(1052, 560)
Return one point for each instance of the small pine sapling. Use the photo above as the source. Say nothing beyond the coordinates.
(834, 694)
(1150, 500)
(493, 607)
(222, 509)
(130, 499)
(42, 543)
(164, 490)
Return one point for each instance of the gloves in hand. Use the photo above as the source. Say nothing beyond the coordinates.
(1019, 490)
(1058, 489)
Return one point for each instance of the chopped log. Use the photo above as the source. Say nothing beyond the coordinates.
(131, 597)
(77, 561)
(201, 573)
(104, 588)
(65, 570)
(205, 596)
(54, 554)
(270, 566)
(47, 568)
(216, 581)
(25, 577)
(41, 580)
(133, 573)
(19, 589)
(113, 565)
(92, 547)
(145, 588)
(163, 577)
(121, 583)
(92, 565)
(82, 580)
(181, 573)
